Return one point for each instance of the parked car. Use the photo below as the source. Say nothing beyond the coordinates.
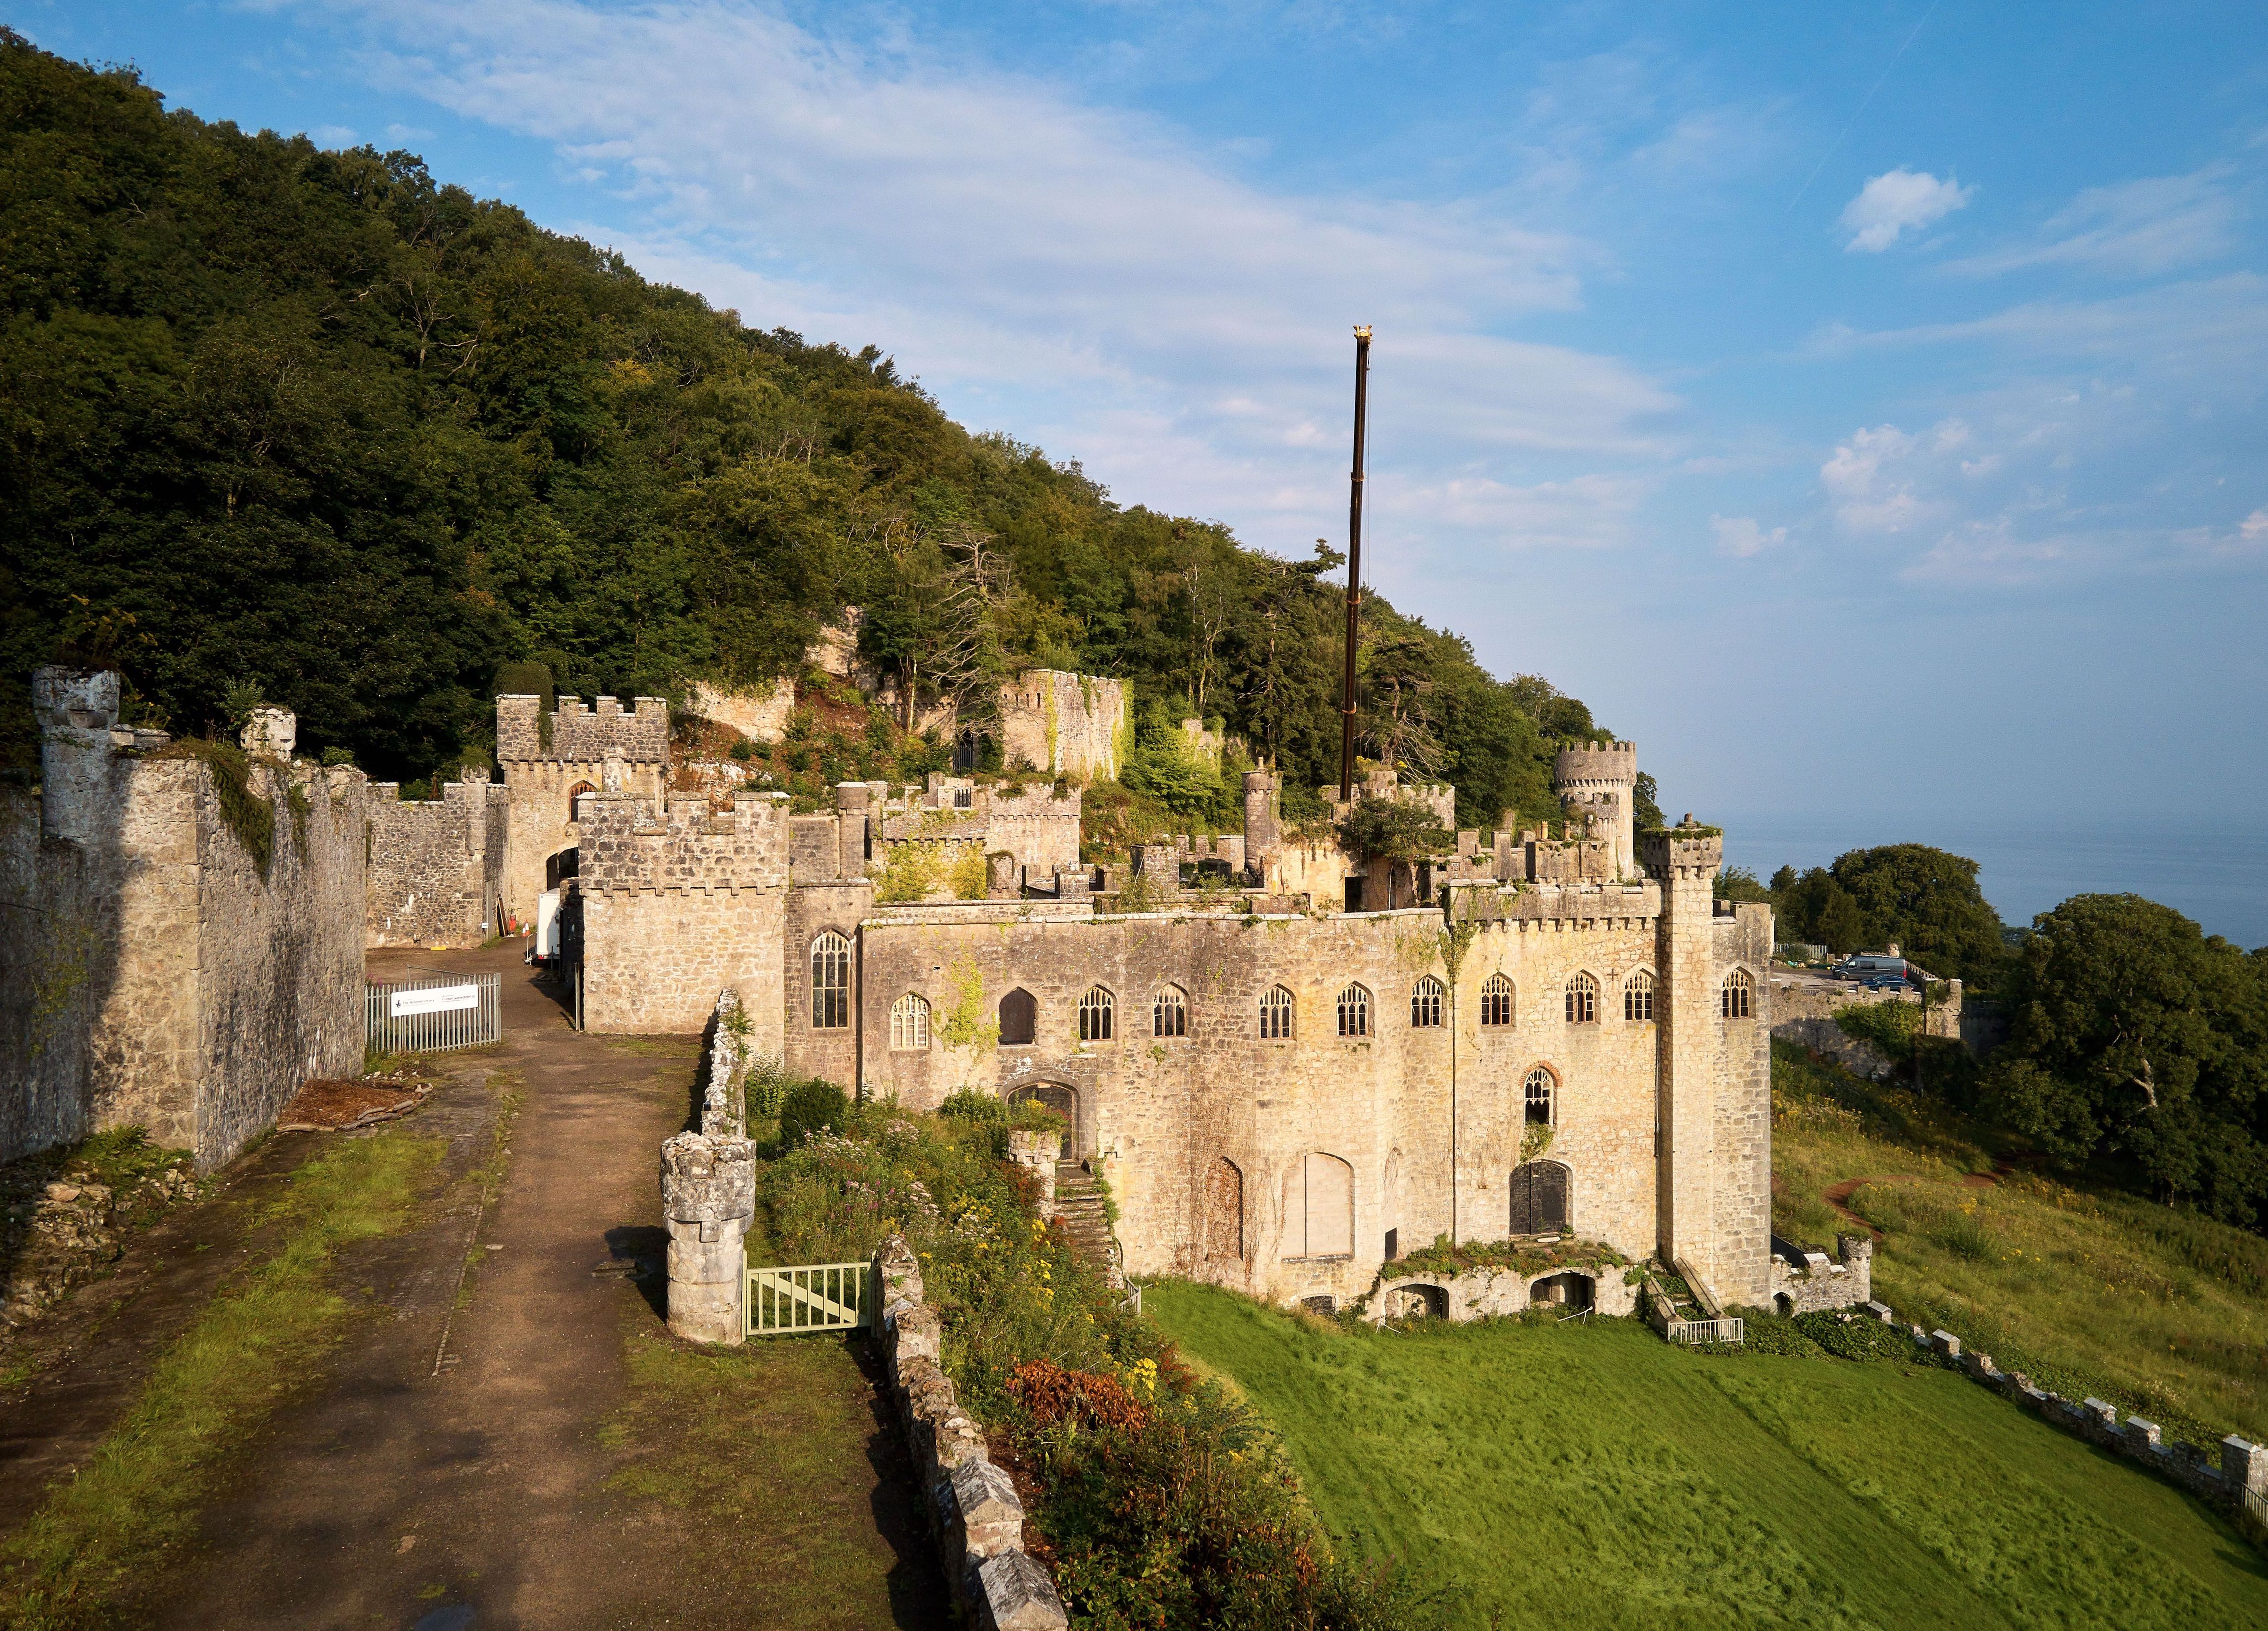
(1869, 965)
(1890, 983)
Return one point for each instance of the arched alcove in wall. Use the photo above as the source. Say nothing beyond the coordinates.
(1066, 1102)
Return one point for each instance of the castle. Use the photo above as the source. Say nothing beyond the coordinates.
(1291, 1065)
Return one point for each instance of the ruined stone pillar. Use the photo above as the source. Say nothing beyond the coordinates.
(272, 733)
(708, 1195)
(1037, 1153)
(76, 709)
(1003, 877)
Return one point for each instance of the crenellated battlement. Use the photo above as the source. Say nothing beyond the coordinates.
(573, 734)
(1601, 765)
(1683, 853)
(689, 842)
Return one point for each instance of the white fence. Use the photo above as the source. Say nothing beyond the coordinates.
(433, 1013)
(1707, 1331)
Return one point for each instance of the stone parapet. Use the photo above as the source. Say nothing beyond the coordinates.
(708, 1195)
(626, 844)
(573, 734)
(973, 1507)
(1686, 851)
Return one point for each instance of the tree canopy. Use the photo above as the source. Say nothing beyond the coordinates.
(2139, 1043)
(1926, 900)
(317, 421)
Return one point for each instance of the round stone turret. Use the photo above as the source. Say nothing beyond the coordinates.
(1601, 780)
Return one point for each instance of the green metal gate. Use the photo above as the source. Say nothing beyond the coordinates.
(810, 1297)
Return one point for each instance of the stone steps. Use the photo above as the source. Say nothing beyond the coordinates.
(1079, 1214)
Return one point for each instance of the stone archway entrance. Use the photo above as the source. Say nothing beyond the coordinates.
(1064, 1101)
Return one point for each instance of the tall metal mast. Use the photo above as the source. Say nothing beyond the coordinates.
(1354, 567)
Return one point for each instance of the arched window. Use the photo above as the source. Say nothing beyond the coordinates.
(1224, 1214)
(1739, 999)
(831, 983)
(1094, 1011)
(1275, 1010)
(575, 795)
(1020, 1016)
(1582, 1001)
(909, 1021)
(1496, 1001)
(1539, 1198)
(1637, 996)
(1319, 1207)
(1354, 1011)
(1425, 1003)
(1538, 1091)
(1169, 1013)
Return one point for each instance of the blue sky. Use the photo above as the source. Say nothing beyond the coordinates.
(1860, 405)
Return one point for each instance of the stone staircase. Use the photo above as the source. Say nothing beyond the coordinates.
(1079, 1209)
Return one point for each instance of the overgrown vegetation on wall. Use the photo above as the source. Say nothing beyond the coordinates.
(318, 421)
(1154, 1498)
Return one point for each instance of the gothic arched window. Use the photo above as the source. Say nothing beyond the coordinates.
(1354, 1011)
(1496, 1001)
(1276, 1012)
(1169, 1013)
(1425, 1003)
(1739, 999)
(1582, 1001)
(910, 1022)
(1095, 1009)
(1637, 996)
(831, 983)
(1539, 1091)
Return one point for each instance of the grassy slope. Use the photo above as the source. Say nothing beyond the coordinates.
(96, 1552)
(2161, 1311)
(1595, 1476)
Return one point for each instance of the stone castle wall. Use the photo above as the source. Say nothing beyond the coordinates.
(679, 901)
(546, 759)
(167, 981)
(436, 867)
(1065, 725)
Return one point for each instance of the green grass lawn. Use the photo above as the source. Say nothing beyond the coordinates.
(2161, 1311)
(1594, 1475)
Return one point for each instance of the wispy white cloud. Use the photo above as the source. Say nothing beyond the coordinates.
(1740, 536)
(1111, 280)
(2144, 228)
(1896, 201)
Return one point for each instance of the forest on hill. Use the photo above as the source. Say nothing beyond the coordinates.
(314, 422)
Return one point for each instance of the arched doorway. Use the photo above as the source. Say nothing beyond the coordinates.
(563, 865)
(1065, 1102)
(1540, 1199)
(1570, 1291)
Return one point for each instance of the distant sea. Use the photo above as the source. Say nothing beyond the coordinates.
(2218, 877)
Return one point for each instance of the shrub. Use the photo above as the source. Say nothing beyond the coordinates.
(809, 1107)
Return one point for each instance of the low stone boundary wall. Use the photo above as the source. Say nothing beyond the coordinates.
(2239, 1484)
(1805, 1281)
(974, 1510)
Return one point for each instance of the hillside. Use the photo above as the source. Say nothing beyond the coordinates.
(1594, 1475)
(2090, 1291)
(318, 421)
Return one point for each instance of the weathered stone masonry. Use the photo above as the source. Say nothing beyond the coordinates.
(150, 972)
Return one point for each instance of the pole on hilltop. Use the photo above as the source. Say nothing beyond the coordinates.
(1354, 567)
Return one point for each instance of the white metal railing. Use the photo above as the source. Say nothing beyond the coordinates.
(433, 1013)
(1696, 1331)
(810, 1297)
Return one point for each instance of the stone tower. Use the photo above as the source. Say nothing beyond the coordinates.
(1602, 782)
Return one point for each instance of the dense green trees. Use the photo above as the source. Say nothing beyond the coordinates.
(2141, 1044)
(316, 421)
(1924, 900)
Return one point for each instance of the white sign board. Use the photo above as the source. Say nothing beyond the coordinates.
(434, 999)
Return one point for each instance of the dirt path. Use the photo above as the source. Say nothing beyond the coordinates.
(475, 1484)
(88, 1358)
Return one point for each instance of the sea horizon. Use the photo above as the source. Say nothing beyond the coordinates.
(2216, 874)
